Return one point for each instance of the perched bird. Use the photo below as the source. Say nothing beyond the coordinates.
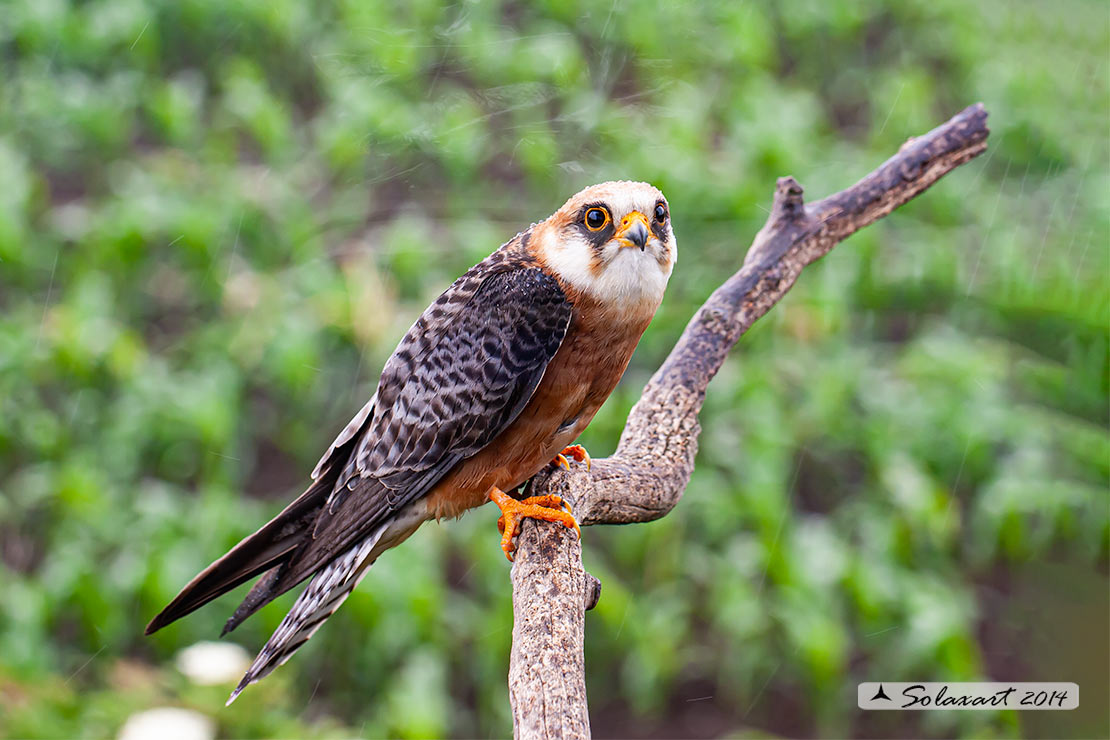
(493, 382)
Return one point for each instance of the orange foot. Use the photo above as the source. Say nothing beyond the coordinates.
(547, 508)
(575, 452)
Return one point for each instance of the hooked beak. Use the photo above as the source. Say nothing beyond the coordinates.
(633, 231)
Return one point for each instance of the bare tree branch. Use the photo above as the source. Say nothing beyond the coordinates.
(648, 473)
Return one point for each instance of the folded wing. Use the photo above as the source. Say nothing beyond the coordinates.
(463, 372)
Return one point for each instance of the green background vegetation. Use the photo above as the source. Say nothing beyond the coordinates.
(218, 217)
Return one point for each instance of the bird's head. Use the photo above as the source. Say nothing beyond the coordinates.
(613, 242)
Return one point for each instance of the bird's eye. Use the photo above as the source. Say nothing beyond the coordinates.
(596, 218)
(660, 213)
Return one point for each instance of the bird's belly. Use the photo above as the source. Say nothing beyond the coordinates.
(579, 379)
(513, 457)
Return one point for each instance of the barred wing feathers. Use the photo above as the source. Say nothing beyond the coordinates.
(444, 395)
(451, 399)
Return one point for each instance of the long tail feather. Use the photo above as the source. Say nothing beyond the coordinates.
(327, 590)
(267, 548)
(261, 593)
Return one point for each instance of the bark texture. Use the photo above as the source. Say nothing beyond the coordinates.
(648, 473)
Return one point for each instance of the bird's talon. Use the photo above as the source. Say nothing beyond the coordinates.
(548, 508)
(575, 452)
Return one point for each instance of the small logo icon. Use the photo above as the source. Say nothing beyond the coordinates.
(880, 694)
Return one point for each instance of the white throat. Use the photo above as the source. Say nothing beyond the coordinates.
(628, 279)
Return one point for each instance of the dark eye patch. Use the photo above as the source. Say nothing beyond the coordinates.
(659, 227)
(599, 236)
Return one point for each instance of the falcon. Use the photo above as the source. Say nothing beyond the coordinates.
(493, 382)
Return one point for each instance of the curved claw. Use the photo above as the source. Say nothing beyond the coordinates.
(575, 452)
(536, 507)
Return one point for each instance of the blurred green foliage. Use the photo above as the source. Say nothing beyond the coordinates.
(218, 217)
